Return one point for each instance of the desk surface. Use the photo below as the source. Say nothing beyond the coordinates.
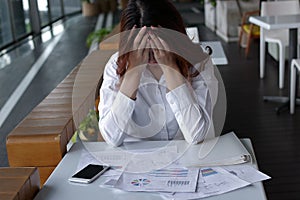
(58, 187)
(276, 22)
(218, 55)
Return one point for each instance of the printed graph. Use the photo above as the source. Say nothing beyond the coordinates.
(208, 172)
(177, 183)
(170, 173)
(140, 182)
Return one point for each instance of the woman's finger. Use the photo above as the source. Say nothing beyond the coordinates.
(154, 48)
(130, 36)
(143, 42)
(162, 35)
(142, 48)
(164, 44)
(156, 42)
(131, 33)
(145, 54)
(139, 37)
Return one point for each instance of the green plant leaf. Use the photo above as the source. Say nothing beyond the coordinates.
(97, 36)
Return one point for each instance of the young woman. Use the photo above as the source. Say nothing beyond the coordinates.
(153, 87)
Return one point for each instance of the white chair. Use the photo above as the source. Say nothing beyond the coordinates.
(280, 37)
(295, 65)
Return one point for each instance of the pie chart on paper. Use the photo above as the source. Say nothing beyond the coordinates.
(140, 182)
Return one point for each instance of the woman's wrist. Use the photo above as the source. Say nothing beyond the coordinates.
(131, 81)
(173, 77)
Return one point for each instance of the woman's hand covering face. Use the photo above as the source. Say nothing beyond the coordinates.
(161, 50)
(140, 54)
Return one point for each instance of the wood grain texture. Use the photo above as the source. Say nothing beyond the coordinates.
(19, 183)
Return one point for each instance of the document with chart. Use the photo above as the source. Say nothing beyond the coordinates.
(163, 180)
(212, 181)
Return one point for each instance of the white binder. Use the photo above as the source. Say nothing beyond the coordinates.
(223, 150)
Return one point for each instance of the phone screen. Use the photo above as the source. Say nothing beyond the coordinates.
(89, 171)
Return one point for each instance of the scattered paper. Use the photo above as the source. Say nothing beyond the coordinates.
(247, 173)
(212, 181)
(164, 180)
(129, 161)
(175, 170)
(134, 160)
(87, 158)
(110, 182)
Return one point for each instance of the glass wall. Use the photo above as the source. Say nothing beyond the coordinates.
(71, 6)
(5, 24)
(16, 16)
(56, 9)
(27, 16)
(44, 12)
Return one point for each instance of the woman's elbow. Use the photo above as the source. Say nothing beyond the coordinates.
(199, 134)
(113, 143)
(110, 136)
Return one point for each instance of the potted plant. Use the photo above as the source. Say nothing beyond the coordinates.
(88, 129)
(213, 2)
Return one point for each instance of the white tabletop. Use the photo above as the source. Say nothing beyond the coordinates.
(218, 55)
(58, 186)
(276, 22)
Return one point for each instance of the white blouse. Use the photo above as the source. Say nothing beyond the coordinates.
(156, 114)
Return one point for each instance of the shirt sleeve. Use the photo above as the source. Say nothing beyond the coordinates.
(191, 105)
(115, 108)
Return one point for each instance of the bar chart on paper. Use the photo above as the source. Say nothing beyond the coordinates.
(178, 172)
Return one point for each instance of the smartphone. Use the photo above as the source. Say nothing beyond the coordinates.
(89, 173)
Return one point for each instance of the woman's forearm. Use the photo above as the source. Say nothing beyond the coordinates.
(131, 81)
(173, 77)
(192, 118)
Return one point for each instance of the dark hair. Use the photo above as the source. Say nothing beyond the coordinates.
(148, 13)
(151, 13)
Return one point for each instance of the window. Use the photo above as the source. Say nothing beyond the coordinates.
(26, 15)
(21, 25)
(71, 6)
(17, 17)
(56, 9)
(44, 12)
(5, 24)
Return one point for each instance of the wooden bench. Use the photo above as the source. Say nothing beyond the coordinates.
(40, 140)
(19, 183)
